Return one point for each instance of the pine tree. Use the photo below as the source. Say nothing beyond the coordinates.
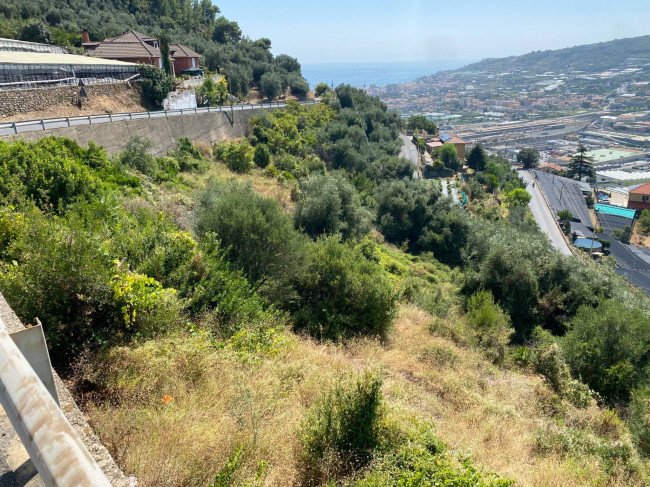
(580, 165)
(477, 158)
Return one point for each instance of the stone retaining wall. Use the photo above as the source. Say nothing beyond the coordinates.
(13, 102)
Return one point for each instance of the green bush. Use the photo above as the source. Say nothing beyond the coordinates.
(491, 324)
(639, 420)
(329, 204)
(262, 156)
(342, 429)
(342, 294)
(136, 155)
(607, 348)
(258, 237)
(238, 157)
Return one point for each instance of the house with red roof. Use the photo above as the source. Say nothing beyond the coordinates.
(639, 197)
(442, 138)
(134, 47)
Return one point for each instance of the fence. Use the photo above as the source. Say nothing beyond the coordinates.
(60, 457)
(13, 128)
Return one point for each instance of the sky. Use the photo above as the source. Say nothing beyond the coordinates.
(414, 30)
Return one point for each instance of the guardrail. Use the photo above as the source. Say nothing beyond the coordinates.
(59, 455)
(14, 128)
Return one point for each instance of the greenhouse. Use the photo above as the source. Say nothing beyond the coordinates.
(22, 70)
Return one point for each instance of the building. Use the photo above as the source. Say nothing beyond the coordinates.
(639, 198)
(552, 167)
(24, 46)
(183, 58)
(435, 143)
(134, 47)
(22, 70)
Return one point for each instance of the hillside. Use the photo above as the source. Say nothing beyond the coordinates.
(590, 58)
(293, 309)
(222, 44)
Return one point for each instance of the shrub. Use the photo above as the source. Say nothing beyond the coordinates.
(607, 347)
(639, 420)
(136, 155)
(491, 324)
(342, 429)
(238, 157)
(321, 89)
(156, 84)
(329, 204)
(518, 197)
(262, 156)
(342, 294)
(258, 237)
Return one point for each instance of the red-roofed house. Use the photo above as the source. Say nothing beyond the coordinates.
(639, 197)
(448, 138)
(135, 47)
(551, 167)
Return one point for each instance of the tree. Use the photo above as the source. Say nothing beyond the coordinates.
(226, 31)
(238, 157)
(212, 94)
(36, 31)
(528, 157)
(287, 63)
(477, 158)
(164, 53)
(156, 84)
(271, 85)
(580, 165)
(329, 204)
(518, 197)
(298, 85)
(421, 122)
(449, 157)
(321, 89)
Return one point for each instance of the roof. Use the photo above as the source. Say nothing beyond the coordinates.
(16, 57)
(641, 189)
(555, 167)
(131, 44)
(180, 51)
(434, 144)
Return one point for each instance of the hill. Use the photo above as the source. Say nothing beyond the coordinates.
(590, 58)
(222, 44)
(293, 309)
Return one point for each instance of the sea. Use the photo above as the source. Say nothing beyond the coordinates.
(363, 75)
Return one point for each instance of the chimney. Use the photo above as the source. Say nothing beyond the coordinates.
(85, 37)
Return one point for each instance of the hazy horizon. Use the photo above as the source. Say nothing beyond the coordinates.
(415, 31)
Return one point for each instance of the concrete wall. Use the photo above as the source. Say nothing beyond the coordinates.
(23, 101)
(163, 132)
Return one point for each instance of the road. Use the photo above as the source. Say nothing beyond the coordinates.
(410, 152)
(10, 128)
(544, 217)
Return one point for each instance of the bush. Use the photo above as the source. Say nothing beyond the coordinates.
(238, 157)
(518, 197)
(607, 348)
(262, 157)
(156, 84)
(639, 420)
(342, 429)
(342, 294)
(491, 324)
(258, 237)
(321, 89)
(329, 204)
(136, 155)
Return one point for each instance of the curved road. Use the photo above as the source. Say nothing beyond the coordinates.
(410, 152)
(544, 216)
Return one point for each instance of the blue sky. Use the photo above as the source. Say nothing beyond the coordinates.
(415, 30)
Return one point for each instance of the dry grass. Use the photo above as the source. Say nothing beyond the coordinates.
(223, 399)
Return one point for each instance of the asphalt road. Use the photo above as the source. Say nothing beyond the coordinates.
(410, 152)
(543, 215)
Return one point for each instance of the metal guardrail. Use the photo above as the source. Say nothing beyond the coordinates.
(59, 455)
(14, 128)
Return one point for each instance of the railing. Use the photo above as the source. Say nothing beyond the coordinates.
(13, 128)
(60, 457)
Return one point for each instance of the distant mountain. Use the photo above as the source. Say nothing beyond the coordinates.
(589, 58)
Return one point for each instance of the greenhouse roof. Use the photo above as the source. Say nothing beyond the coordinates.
(41, 58)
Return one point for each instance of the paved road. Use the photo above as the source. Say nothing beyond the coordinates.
(410, 152)
(544, 217)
